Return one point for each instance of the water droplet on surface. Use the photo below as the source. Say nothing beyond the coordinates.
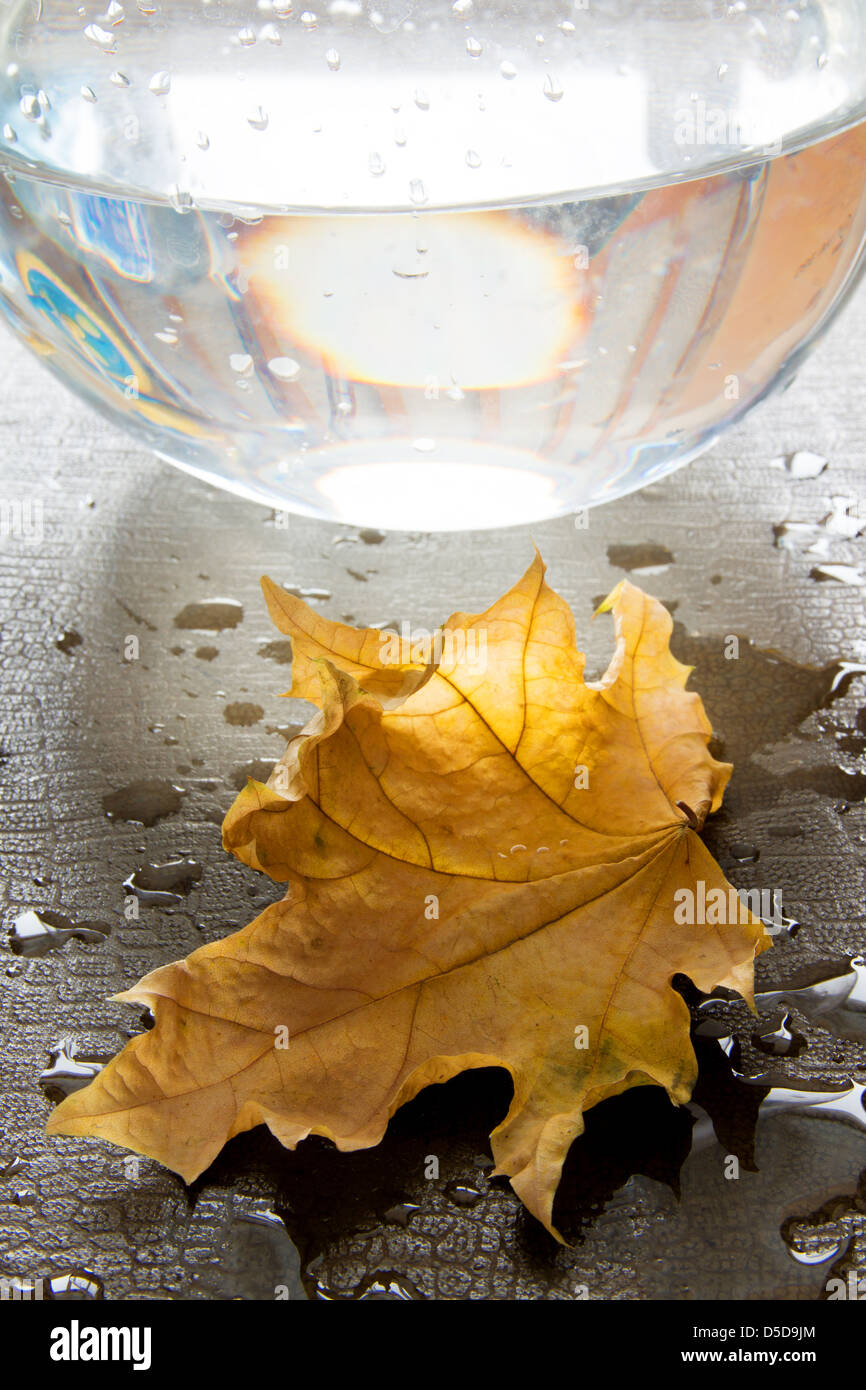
(258, 119)
(745, 853)
(246, 37)
(75, 1285)
(473, 159)
(144, 802)
(9, 134)
(507, 70)
(243, 713)
(271, 34)
(463, 1194)
(332, 58)
(309, 19)
(242, 363)
(160, 84)
(473, 48)
(376, 164)
(778, 1041)
(119, 79)
(400, 1214)
(68, 640)
(422, 100)
(162, 885)
(818, 1252)
(387, 1287)
(838, 574)
(67, 1072)
(802, 464)
(88, 94)
(210, 615)
(35, 934)
(284, 368)
(417, 192)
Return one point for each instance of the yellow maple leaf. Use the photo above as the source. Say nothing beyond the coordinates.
(483, 855)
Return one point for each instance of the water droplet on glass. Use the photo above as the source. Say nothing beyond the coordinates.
(473, 48)
(88, 94)
(242, 363)
(422, 101)
(284, 368)
(202, 141)
(332, 58)
(508, 70)
(309, 19)
(473, 159)
(424, 445)
(180, 199)
(259, 119)
(119, 79)
(417, 191)
(376, 164)
(9, 134)
(160, 84)
(103, 38)
(552, 89)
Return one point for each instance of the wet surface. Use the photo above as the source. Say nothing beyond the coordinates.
(117, 770)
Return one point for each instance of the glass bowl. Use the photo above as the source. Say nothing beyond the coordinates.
(433, 265)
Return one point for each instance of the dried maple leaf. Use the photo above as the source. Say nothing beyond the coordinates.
(482, 856)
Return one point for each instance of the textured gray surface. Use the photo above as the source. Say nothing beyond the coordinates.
(128, 543)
